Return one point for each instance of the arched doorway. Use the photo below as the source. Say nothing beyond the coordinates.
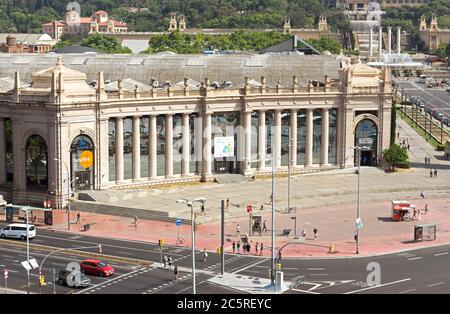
(82, 163)
(366, 136)
(36, 158)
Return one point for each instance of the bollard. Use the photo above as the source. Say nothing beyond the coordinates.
(331, 249)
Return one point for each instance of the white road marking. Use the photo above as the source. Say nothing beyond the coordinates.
(98, 286)
(410, 290)
(126, 253)
(382, 285)
(290, 268)
(414, 258)
(436, 284)
(249, 266)
(440, 254)
(319, 274)
(315, 268)
(310, 292)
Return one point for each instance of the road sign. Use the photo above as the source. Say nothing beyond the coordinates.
(249, 208)
(26, 265)
(34, 263)
(5, 273)
(86, 159)
(178, 222)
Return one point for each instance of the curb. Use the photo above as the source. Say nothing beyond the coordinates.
(69, 251)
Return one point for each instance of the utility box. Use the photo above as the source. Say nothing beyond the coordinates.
(425, 232)
(279, 280)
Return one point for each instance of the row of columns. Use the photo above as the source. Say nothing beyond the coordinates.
(380, 40)
(206, 143)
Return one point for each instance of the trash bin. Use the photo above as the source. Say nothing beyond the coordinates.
(87, 227)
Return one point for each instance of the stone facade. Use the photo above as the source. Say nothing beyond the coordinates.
(73, 118)
(433, 36)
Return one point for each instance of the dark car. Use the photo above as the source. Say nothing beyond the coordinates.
(73, 278)
(96, 268)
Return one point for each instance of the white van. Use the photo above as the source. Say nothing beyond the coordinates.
(18, 231)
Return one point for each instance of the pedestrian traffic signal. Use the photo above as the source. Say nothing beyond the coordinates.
(42, 280)
(219, 250)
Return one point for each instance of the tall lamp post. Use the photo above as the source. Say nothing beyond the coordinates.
(358, 218)
(190, 204)
(69, 193)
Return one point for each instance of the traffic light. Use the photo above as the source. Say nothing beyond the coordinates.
(161, 242)
(219, 250)
(42, 280)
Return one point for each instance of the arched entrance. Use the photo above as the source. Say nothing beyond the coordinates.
(366, 136)
(36, 158)
(82, 163)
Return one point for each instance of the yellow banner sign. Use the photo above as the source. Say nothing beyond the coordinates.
(86, 159)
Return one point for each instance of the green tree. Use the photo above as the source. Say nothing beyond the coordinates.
(396, 156)
(326, 44)
(105, 43)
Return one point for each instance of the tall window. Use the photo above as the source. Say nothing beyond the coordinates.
(36, 163)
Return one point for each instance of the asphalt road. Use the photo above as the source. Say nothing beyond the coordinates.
(419, 271)
(438, 99)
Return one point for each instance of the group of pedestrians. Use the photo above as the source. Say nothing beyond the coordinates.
(246, 248)
(168, 261)
(427, 161)
(315, 232)
(433, 173)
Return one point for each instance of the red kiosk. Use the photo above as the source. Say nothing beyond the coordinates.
(401, 210)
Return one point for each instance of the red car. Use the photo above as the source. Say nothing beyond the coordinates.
(96, 267)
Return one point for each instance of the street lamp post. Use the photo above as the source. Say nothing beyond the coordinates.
(190, 204)
(68, 192)
(358, 218)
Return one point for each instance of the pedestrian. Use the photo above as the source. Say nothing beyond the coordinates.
(238, 229)
(170, 262)
(203, 209)
(248, 248)
(233, 245)
(431, 173)
(418, 214)
(271, 198)
(414, 214)
(421, 194)
(398, 135)
(78, 218)
(238, 247)
(135, 221)
(262, 207)
(408, 147)
(435, 173)
(261, 249)
(256, 248)
(304, 234)
(165, 261)
(315, 233)
(205, 255)
(426, 208)
(175, 271)
(228, 203)
(425, 160)
(264, 226)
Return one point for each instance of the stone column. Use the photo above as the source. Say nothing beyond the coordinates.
(2, 151)
(207, 158)
(169, 146)
(293, 138)
(277, 138)
(20, 185)
(399, 32)
(186, 146)
(262, 140)
(152, 143)
(370, 42)
(119, 150)
(325, 137)
(380, 40)
(309, 137)
(136, 148)
(389, 47)
(248, 142)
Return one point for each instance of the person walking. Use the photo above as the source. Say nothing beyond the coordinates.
(256, 248)
(205, 255)
(426, 208)
(414, 214)
(304, 234)
(262, 207)
(175, 271)
(165, 261)
(426, 159)
(264, 226)
(233, 245)
(238, 247)
(408, 147)
(228, 203)
(421, 194)
(170, 262)
(136, 221)
(431, 173)
(238, 229)
(203, 209)
(435, 173)
(78, 218)
(315, 233)
(249, 247)
(261, 247)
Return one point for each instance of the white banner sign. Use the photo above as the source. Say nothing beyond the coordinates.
(223, 146)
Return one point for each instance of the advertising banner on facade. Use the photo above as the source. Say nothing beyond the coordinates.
(223, 146)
